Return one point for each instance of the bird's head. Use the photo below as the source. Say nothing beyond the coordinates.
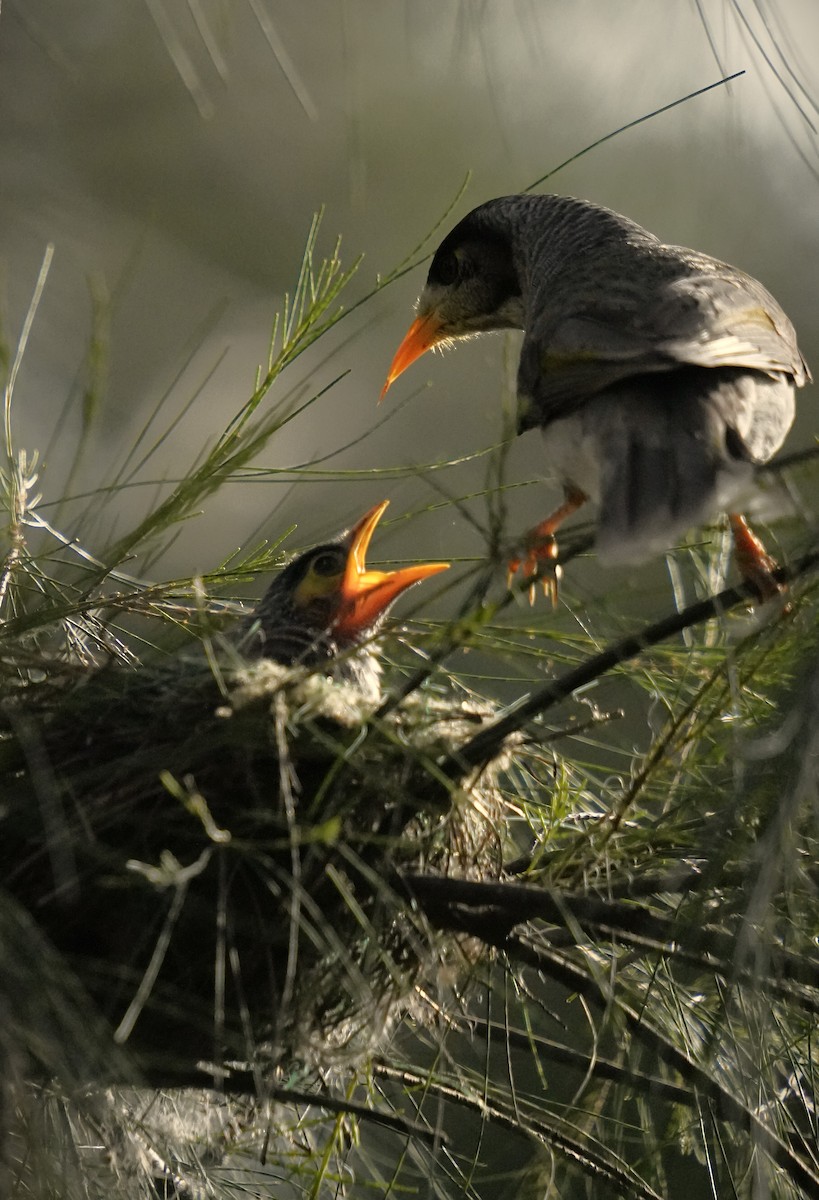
(472, 287)
(327, 600)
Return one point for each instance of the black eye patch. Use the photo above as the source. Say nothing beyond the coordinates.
(330, 562)
(445, 269)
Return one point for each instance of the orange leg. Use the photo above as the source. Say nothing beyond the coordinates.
(755, 565)
(540, 547)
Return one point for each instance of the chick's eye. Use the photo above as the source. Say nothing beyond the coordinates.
(329, 563)
(447, 269)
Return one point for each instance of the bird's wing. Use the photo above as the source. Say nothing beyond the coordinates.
(581, 356)
(709, 318)
(720, 317)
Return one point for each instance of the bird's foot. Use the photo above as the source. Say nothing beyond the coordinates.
(539, 557)
(756, 566)
(538, 562)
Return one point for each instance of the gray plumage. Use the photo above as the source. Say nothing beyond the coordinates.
(660, 376)
(305, 635)
(323, 610)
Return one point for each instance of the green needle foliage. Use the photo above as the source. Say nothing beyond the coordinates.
(542, 922)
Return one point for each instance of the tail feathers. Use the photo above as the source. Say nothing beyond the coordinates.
(653, 489)
(677, 450)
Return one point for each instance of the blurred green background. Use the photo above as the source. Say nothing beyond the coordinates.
(174, 153)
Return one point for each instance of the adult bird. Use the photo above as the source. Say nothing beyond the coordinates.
(324, 608)
(660, 377)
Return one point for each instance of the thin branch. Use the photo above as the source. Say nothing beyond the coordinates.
(573, 977)
(336, 1104)
(550, 1129)
(631, 124)
(602, 1068)
(461, 630)
(505, 905)
(486, 744)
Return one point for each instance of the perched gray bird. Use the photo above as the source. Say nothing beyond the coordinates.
(323, 609)
(659, 376)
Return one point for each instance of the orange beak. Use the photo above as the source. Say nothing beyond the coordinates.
(366, 595)
(422, 334)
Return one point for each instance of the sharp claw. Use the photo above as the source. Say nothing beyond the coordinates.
(539, 552)
(541, 544)
(551, 584)
(530, 571)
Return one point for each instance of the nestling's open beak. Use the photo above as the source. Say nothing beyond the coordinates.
(366, 595)
(422, 334)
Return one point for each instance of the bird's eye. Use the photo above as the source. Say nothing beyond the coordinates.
(330, 562)
(447, 269)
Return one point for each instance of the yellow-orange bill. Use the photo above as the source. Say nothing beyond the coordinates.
(367, 594)
(422, 334)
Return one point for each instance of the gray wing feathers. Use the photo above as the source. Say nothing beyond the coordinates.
(722, 317)
(671, 462)
(672, 308)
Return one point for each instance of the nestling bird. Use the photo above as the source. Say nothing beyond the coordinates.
(659, 376)
(323, 609)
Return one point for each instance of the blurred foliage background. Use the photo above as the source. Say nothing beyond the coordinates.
(173, 155)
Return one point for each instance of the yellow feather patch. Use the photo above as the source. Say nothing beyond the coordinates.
(315, 587)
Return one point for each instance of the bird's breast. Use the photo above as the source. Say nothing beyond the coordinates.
(572, 452)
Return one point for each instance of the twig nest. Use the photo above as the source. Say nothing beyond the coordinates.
(217, 850)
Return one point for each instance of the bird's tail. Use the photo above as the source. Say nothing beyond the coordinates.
(665, 468)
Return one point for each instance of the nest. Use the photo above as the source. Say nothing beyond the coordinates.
(216, 852)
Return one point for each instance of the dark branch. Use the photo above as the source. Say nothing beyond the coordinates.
(486, 744)
(502, 906)
(550, 1129)
(555, 965)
